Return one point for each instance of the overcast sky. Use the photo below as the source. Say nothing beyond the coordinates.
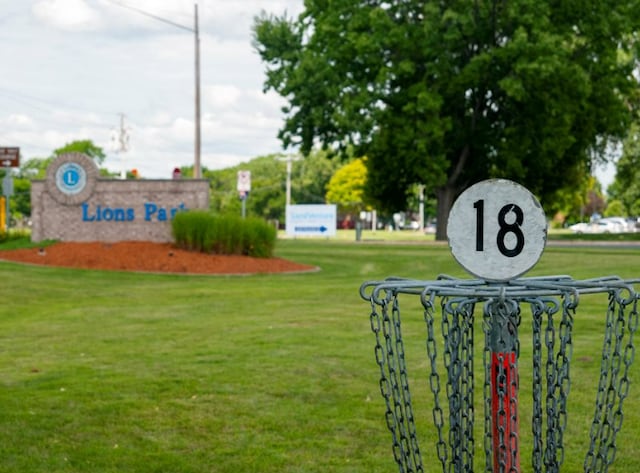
(69, 70)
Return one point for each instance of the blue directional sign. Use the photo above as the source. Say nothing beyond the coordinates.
(311, 220)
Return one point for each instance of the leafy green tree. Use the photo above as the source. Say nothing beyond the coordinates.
(83, 146)
(34, 168)
(346, 187)
(615, 208)
(309, 177)
(267, 198)
(449, 93)
(626, 184)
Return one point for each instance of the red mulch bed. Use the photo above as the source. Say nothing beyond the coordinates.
(147, 257)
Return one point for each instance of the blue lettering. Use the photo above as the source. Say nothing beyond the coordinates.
(107, 214)
(85, 213)
(152, 212)
(177, 209)
(149, 210)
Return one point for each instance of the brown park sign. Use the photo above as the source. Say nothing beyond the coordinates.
(10, 157)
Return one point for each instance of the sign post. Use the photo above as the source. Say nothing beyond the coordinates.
(244, 187)
(9, 158)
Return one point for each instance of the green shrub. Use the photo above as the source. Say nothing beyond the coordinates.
(227, 235)
(19, 237)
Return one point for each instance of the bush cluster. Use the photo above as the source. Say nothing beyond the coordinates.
(199, 230)
(14, 236)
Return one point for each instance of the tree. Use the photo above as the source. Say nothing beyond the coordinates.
(450, 93)
(309, 177)
(346, 187)
(267, 198)
(83, 146)
(626, 184)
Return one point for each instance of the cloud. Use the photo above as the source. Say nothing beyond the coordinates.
(88, 61)
(71, 15)
(222, 96)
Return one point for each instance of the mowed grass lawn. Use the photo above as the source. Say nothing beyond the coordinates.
(120, 372)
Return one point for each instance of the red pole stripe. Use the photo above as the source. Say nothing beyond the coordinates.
(504, 412)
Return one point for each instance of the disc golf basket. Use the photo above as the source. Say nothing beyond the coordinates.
(449, 310)
(466, 374)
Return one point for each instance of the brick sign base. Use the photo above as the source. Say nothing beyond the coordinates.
(74, 203)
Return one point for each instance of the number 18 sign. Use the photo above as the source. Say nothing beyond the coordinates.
(497, 230)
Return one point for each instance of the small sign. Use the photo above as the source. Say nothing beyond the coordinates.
(311, 220)
(7, 185)
(497, 230)
(244, 181)
(10, 157)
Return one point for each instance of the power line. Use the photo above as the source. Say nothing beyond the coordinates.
(151, 15)
(197, 171)
(27, 99)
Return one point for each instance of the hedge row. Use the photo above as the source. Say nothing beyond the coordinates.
(199, 230)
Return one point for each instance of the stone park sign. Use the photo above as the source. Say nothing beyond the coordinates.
(73, 203)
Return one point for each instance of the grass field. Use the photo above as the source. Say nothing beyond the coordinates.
(117, 372)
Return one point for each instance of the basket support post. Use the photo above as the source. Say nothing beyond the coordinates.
(504, 316)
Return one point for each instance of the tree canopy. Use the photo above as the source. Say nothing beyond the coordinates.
(83, 146)
(450, 93)
(346, 186)
(309, 177)
(626, 185)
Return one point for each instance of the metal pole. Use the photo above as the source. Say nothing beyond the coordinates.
(289, 181)
(504, 387)
(7, 213)
(421, 187)
(197, 172)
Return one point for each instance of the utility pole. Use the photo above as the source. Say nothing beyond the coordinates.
(289, 159)
(197, 171)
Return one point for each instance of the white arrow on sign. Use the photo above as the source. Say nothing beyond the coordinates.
(320, 229)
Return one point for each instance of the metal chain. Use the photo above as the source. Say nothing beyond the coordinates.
(613, 386)
(538, 309)
(457, 331)
(553, 304)
(487, 327)
(394, 384)
(434, 382)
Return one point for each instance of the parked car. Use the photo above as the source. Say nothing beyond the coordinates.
(602, 225)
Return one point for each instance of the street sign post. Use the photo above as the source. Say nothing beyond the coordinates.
(243, 188)
(7, 191)
(10, 157)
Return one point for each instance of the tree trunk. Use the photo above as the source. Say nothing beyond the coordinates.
(446, 195)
